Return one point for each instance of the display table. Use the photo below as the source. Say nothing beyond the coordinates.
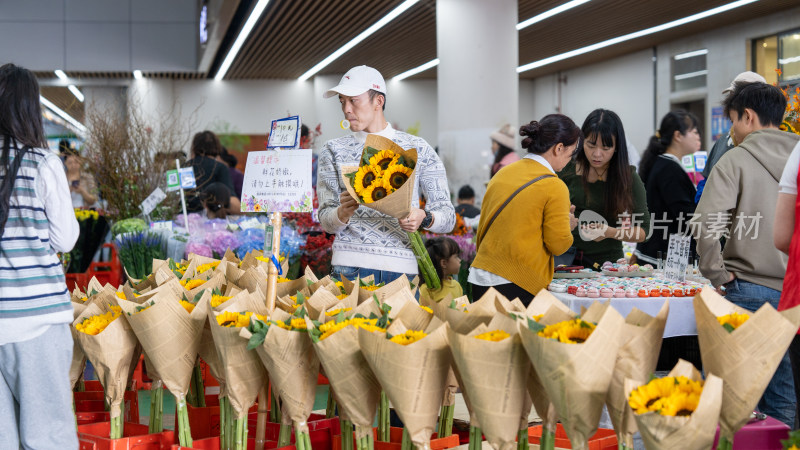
(680, 321)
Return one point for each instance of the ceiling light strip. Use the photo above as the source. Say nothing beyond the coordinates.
(550, 13)
(793, 59)
(416, 70)
(685, 76)
(365, 34)
(243, 34)
(137, 74)
(52, 107)
(76, 92)
(691, 54)
(638, 34)
(60, 74)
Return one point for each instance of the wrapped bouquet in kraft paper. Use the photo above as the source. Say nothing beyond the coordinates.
(744, 349)
(677, 412)
(638, 354)
(574, 359)
(493, 369)
(384, 181)
(110, 345)
(169, 329)
(412, 367)
(284, 347)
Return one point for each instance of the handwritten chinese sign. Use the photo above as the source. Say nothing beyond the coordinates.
(278, 181)
(284, 133)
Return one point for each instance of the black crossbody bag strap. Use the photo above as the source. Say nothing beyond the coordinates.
(508, 200)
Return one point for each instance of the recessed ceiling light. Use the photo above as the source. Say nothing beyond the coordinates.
(60, 74)
(416, 70)
(79, 126)
(637, 34)
(76, 92)
(255, 14)
(364, 34)
(137, 74)
(550, 13)
(764, 45)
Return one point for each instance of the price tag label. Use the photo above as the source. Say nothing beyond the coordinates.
(268, 230)
(249, 223)
(187, 178)
(161, 225)
(152, 200)
(173, 180)
(284, 133)
(677, 257)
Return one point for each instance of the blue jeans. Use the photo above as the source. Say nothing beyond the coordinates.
(381, 276)
(778, 400)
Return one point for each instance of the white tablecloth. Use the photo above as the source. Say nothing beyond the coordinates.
(680, 321)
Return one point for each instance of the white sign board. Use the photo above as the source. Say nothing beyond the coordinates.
(152, 200)
(187, 178)
(161, 225)
(284, 133)
(677, 257)
(278, 181)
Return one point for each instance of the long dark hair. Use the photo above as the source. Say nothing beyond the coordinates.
(20, 122)
(551, 130)
(501, 153)
(605, 126)
(206, 143)
(678, 120)
(441, 248)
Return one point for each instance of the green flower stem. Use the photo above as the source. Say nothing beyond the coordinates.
(330, 410)
(116, 427)
(275, 408)
(285, 436)
(725, 443)
(240, 443)
(522, 440)
(406, 444)
(427, 269)
(384, 431)
(446, 421)
(347, 434)
(200, 389)
(156, 408)
(475, 438)
(184, 430)
(548, 440)
(365, 443)
(302, 440)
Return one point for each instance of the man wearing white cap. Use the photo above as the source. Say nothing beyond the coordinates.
(724, 143)
(367, 241)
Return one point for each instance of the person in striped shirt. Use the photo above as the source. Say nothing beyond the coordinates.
(36, 221)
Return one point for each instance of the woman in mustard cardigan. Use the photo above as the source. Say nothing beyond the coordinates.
(526, 217)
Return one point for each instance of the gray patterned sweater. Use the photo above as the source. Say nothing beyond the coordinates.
(371, 239)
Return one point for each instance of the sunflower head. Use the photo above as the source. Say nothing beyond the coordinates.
(382, 159)
(396, 175)
(409, 337)
(733, 321)
(575, 331)
(365, 177)
(374, 193)
(493, 336)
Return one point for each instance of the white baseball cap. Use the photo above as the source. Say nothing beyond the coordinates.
(358, 80)
(745, 77)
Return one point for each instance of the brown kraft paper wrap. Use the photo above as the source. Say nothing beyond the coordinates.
(170, 337)
(398, 203)
(576, 377)
(638, 354)
(111, 353)
(694, 432)
(494, 376)
(413, 377)
(745, 358)
(244, 373)
(293, 367)
(78, 357)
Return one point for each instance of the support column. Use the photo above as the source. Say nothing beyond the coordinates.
(478, 85)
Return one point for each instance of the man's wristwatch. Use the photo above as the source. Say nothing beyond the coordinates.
(427, 221)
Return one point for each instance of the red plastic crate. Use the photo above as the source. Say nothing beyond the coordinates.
(603, 439)
(94, 401)
(396, 440)
(105, 272)
(84, 418)
(92, 385)
(204, 422)
(212, 443)
(208, 379)
(95, 437)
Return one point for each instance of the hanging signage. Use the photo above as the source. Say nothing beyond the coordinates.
(284, 133)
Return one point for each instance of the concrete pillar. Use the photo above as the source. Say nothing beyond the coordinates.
(478, 86)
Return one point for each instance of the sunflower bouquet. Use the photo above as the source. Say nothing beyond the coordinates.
(385, 181)
(493, 370)
(412, 367)
(243, 373)
(78, 363)
(574, 360)
(110, 345)
(637, 358)
(742, 348)
(284, 347)
(169, 331)
(679, 411)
